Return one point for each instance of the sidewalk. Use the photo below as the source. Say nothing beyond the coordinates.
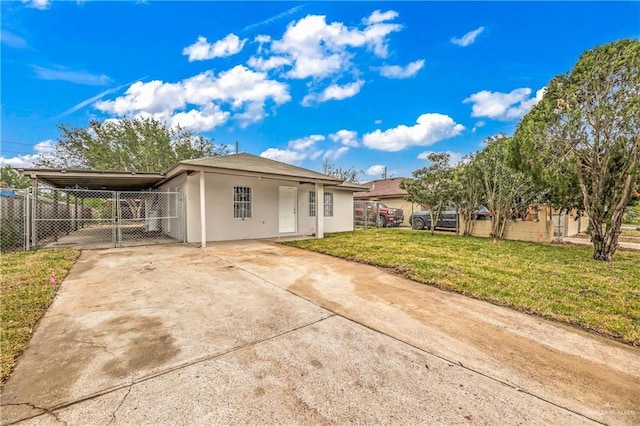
(587, 242)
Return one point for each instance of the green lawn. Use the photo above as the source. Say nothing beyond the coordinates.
(557, 282)
(25, 293)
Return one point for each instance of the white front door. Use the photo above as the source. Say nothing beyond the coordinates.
(287, 209)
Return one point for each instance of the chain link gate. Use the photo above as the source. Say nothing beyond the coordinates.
(102, 219)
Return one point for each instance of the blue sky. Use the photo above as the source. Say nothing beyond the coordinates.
(364, 84)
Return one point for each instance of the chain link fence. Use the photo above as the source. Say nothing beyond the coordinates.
(14, 219)
(373, 214)
(47, 217)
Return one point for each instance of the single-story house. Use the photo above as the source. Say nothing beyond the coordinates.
(230, 197)
(388, 191)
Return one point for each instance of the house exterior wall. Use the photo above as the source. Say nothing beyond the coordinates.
(173, 227)
(222, 226)
(407, 207)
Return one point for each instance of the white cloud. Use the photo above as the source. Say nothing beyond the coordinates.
(503, 106)
(284, 155)
(395, 71)
(12, 40)
(305, 143)
(37, 4)
(375, 170)
(334, 154)
(45, 147)
(429, 129)
(377, 17)
(345, 137)
(378, 121)
(77, 77)
(202, 49)
(316, 49)
(334, 92)
(478, 125)
(468, 38)
(454, 157)
(262, 64)
(238, 93)
(200, 121)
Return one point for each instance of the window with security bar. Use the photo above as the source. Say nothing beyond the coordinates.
(328, 204)
(241, 202)
(312, 204)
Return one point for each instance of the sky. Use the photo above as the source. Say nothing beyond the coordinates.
(370, 85)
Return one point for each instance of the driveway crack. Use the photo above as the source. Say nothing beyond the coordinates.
(35, 407)
(95, 345)
(113, 415)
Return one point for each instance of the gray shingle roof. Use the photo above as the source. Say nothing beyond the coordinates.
(389, 188)
(253, 163)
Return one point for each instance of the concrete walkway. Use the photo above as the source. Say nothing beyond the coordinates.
(258, 333)
(587, 242)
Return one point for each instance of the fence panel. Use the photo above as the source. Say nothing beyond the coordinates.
(149, 218)
(103, 219)
(14, 219)
(74, 217)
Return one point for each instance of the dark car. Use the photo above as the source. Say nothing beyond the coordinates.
(448, 219)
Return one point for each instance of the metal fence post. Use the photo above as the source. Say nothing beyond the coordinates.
(115, 225)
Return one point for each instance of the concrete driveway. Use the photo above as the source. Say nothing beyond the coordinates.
(258, 333)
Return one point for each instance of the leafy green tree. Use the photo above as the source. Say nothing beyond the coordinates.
(134, 145)
(505, 191)
(583, 138)
(468, 192)
(433, 186)
(348, 175)
(10, 178)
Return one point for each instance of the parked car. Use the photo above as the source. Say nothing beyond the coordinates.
(448, 219)
(377, 213)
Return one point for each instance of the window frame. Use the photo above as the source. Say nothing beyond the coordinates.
(313, 205)
(242, 206)
(328, 204)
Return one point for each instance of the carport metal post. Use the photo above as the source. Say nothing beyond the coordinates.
(319, 210)
(203, 211)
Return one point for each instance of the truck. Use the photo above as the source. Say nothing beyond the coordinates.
(377, 213)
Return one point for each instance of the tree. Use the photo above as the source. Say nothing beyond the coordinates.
(10, 178)
(348, 175)
(133, 145)
(583, 138)
(505, 191)
(432, 186)
(468, 192)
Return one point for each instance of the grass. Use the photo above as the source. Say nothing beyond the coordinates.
(557, 282)
(26, 293)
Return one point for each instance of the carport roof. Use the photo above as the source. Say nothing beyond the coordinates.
(95, 179)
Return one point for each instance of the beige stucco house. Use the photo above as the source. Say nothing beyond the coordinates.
(243, 196)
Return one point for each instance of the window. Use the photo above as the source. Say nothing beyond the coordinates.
(241, 202)
(328, 204)
(312, 204)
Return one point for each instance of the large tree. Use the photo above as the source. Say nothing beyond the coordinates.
(505, 191)
(433, 186)
(583, 138)
(135, 145)
(10, 178)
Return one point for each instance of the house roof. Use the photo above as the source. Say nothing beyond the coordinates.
(250, 163)
(383, 188)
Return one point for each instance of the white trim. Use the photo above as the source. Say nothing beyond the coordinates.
(203, 213)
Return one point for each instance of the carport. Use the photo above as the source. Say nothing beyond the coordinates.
(100, 209)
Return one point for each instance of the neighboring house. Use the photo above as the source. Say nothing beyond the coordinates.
(240, 196)
(388, 191)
